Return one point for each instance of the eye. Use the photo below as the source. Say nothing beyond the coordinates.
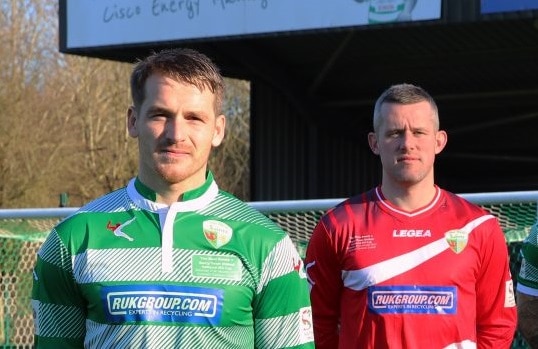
(157, 115)
(195, 117)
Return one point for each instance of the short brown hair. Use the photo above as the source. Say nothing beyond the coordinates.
(180, 64)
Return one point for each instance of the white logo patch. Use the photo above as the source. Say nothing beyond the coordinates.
(509, 297)
(217, 233)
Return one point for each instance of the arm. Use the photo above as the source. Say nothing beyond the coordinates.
(527, 289)
(324, 276)
(59, 312)
(495, 305)
(282, 312)
(527, 312)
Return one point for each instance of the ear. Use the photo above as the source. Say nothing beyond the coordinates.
(218, 135)
(132, 117)
(372, 142)
(441, 138)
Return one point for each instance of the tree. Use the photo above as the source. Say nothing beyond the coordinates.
(102, 157)
(26, 117)
(62, 118)
(231, 161)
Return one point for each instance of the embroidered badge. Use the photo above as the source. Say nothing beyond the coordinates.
(217, 233)
(457, 240)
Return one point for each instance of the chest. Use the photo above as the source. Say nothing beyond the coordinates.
(422, 250)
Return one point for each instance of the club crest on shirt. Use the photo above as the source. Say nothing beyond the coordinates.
(457, 239)
(217, 233)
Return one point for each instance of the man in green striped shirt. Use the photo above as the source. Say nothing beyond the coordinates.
(171, 261)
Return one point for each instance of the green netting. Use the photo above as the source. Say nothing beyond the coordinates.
(21, 238)
(26, 229)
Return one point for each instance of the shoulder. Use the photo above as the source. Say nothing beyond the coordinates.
(71, 235)
(486, 227)
(111, 202)
(529, 248)
(116, 201)
(354, 206)
(458, 203)
(229, 208)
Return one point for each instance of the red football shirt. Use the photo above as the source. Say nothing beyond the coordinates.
(437, 277)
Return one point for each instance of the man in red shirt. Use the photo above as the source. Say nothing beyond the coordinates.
(408, 264)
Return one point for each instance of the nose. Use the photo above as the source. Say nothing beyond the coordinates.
(407, 140)
(175, 129)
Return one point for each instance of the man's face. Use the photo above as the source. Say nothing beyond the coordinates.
(176, 128)
(407, 142)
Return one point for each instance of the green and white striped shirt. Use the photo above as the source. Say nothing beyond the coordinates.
(206, 272)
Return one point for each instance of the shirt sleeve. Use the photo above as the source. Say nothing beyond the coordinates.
(527, 279)
(59, 312)
(496, 310)
(281, 307)
(324, 276)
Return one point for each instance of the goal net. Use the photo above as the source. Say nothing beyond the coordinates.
(22, 235)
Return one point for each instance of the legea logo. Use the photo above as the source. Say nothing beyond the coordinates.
(411, 233)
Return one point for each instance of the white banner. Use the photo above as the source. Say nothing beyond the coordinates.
(92, 23)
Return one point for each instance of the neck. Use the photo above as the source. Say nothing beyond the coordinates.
(409, 198)
(168, 193)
